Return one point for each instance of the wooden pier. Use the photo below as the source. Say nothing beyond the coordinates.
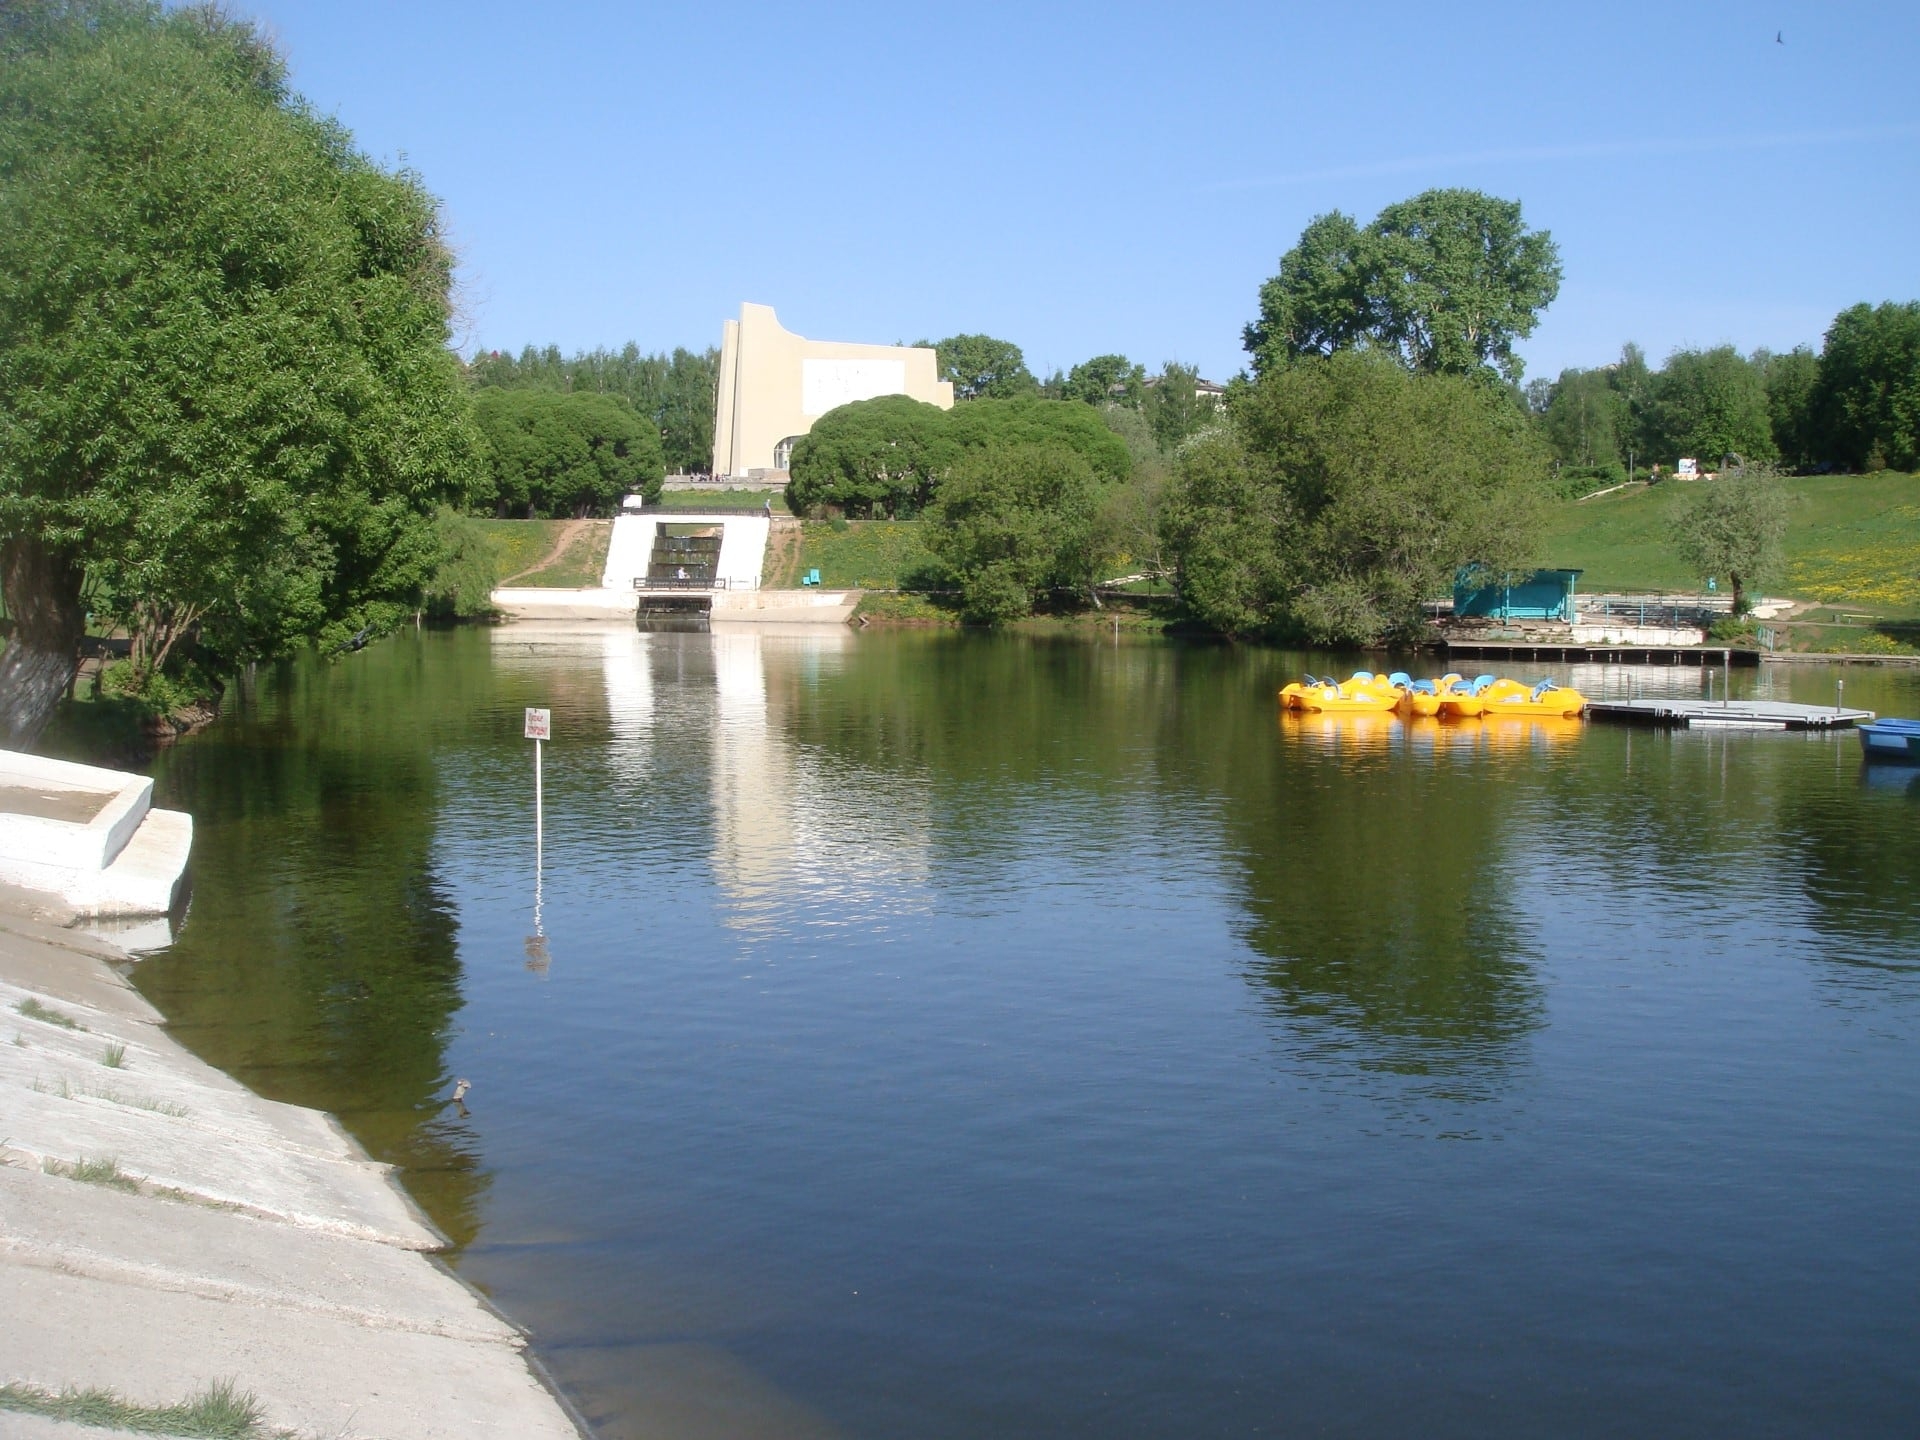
(1728, 714)
(1569, 653)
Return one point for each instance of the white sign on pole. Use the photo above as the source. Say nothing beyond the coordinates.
(539, 724)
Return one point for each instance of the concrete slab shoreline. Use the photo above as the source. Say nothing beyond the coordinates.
(244, 1239)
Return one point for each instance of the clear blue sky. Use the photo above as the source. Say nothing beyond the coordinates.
(1090, 178)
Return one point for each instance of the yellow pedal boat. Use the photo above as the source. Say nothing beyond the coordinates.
(1486, 697)
(1545, 699)
(1364, 693)
(1421, 698)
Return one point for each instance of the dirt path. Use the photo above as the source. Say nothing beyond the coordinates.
(572, 532)
(782, 570)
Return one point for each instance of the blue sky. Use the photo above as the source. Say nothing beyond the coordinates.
(1091, 178)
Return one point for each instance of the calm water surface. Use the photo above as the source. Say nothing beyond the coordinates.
(943, 1036)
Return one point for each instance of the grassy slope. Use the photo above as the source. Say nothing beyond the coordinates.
(1852, 539)
(865, 554)
(520, 543)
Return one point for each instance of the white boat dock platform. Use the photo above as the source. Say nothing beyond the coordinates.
(1735, 714)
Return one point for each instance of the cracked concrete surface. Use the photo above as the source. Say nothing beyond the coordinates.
(259, 1243)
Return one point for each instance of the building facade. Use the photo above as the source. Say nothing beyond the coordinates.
(774, 384)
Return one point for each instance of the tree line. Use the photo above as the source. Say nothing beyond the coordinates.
(1382, 446)
(1853, 405)
(672, 393)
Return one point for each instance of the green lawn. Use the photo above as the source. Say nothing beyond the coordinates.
(862, 554)
(696, 499)
(1852, 540)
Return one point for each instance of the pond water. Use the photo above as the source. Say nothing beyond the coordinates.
(941, 1035)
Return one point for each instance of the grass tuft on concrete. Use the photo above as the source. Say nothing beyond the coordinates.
(114, 1056)
(104, 1170)
(34, 1010)
(223, 1411)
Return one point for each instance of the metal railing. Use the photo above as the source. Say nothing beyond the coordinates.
(1669, 610)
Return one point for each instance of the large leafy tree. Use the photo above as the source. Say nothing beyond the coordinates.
(1709, 404)
(552, 452)
(1736, 528)
(225, 392)
(1348, 492)
(1868, 397)
(1446, 282)
(1106, 380)
(1013, 522)
(1587, 419)
(1791, 380)
(882, 455)
(1175, 407)
(984, 368)
(1003, 424)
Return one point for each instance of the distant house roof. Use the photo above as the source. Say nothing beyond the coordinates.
(1201, 388)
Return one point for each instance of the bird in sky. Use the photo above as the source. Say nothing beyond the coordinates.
(1779, 37)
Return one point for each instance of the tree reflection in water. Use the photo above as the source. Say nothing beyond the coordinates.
(1368, 854)
(318, 960)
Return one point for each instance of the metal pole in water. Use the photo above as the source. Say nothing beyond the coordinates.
(1839, 694)
(539, 729)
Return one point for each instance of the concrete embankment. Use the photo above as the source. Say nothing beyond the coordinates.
(163, 1228)
(753, 607)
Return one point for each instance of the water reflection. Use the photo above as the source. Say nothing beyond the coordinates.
(1859, 864)
(318, 962)
(792, 834)
(962, 1035)
(1369, 867)
(1377, 888)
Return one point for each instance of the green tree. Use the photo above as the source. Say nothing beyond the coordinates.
(1319, 302)
(1106, 380)
(1013, 521)
(1587, 418)
(1633, 382)
(1455, 278)
(463, 583)
(675, 391)
(1348, 493)
(1733, 527)
(1228, 526)
(552, 452)
(1003, 424)
(1868, 398)
(225, 392)
(887, 454)
(983, 368)
(1709, 404)
(1790, 381)
(1445, 282)
(1175, 407)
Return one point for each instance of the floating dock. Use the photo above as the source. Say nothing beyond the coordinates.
(1729, 714)
(1571, 652)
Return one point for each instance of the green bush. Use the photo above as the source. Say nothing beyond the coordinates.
(1574, 481)
(462, 584)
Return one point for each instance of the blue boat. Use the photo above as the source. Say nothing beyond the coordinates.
(1892, 740)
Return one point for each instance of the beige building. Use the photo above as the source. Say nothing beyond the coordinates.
(775, 384)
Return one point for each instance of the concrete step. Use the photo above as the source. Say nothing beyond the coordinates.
(169, 1119)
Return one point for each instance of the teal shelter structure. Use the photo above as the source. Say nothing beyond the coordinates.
(1543, 595)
